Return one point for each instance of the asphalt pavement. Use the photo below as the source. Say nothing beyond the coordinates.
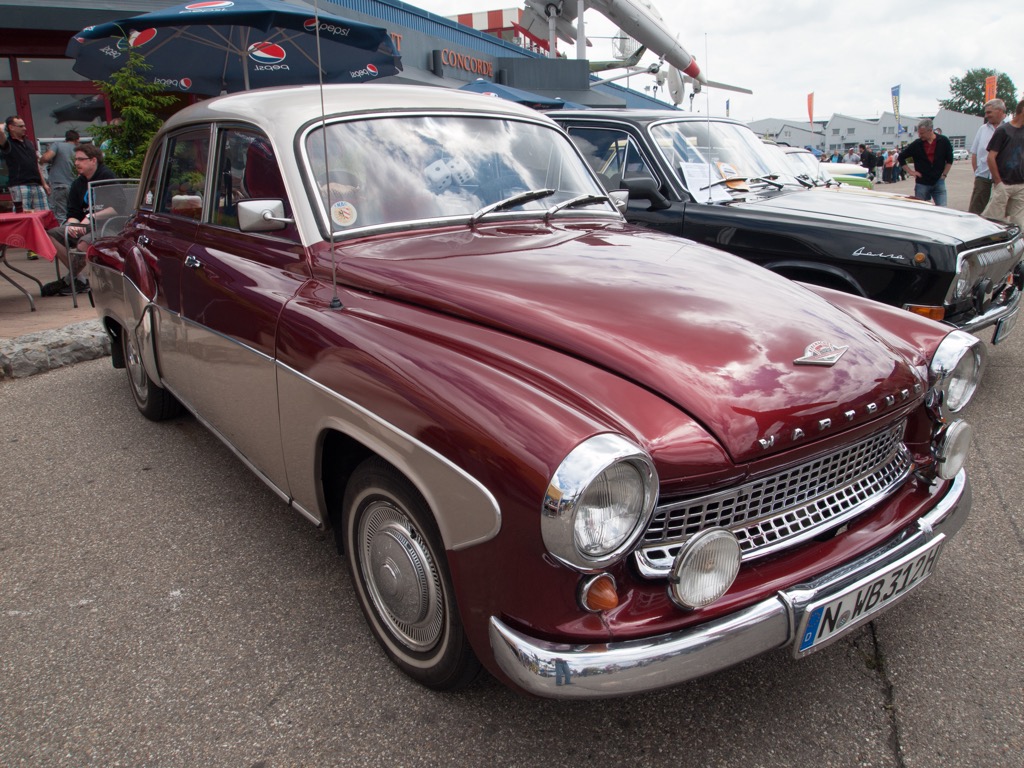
(161, 607)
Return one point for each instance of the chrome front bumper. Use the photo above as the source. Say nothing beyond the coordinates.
(634, 666)
(1001, 312)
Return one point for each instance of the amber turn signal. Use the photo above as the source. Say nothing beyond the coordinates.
(927, 310)
(597, 593)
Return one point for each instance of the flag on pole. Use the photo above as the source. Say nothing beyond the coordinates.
(810, 109)
(896, 107)
(990, 87)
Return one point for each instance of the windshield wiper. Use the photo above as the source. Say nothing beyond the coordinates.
(574, 202)
(510, 202)
(716, 182)
(772, 180)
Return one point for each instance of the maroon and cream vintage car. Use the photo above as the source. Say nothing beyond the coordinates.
(594, 459)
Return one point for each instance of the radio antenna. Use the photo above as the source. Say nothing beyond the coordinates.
(335, 300)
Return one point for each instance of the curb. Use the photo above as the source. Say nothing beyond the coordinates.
(43, 351)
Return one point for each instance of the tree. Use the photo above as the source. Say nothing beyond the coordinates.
(137, 103)
(968, 92)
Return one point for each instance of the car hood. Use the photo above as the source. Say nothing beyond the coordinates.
(908, 218)
(716, 335)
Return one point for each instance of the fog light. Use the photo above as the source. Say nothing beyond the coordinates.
(704, 569)
(951, 449)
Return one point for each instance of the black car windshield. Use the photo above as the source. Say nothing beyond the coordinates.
(404, 169)
(700, 149)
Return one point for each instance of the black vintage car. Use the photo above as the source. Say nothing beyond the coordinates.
(712, 180)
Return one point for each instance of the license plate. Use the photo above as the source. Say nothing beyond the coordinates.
(826, 620)
(1004, 326)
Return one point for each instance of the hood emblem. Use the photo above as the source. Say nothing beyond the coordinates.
(821, 353)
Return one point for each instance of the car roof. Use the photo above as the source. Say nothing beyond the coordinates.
(289, 108)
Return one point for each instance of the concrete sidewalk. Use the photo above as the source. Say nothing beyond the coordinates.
(56, 334)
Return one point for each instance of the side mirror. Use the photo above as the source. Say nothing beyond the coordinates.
(620, 198)
(646, 188)
(261, 215)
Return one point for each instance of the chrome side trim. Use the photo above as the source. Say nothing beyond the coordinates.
(466, 512)
(610, 669)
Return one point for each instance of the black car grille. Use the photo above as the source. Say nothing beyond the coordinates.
(777, 511)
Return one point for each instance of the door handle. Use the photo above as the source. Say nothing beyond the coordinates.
(192, 262)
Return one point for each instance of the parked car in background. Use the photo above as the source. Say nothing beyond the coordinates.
(961, 153)
(595, 459)
(712, 180)
(804, 165)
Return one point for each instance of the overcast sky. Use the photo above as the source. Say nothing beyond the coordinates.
(785, 49)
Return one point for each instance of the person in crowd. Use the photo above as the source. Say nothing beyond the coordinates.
(60, 157)
(851, 156)
(933, 158)
(25, 178)
(889, 166)
(836, 157)
(995, 113)
(867, 160)
(73, 233)
(1006, 164)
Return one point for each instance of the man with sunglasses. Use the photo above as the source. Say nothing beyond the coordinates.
(25, 178)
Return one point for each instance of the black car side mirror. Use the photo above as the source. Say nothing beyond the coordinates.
(646, 188)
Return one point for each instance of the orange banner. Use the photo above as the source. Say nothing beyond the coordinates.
(810, 109)
(990, 88)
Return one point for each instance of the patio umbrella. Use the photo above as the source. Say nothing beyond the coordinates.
(519, 96)
(234, 45)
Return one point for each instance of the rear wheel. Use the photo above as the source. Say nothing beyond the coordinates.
(401, 578)
(154, 402)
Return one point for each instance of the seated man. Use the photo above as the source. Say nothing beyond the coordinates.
(89, 162)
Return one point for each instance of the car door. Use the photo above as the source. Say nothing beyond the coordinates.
(164, 234)
(234, 285)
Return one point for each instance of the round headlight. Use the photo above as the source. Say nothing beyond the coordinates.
(956, 371)
(951, 449)
(705, 568)
(598, 502)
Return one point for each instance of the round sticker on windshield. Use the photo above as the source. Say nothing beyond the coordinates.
(344, 214)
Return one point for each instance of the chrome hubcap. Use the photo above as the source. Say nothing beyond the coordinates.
(136, 371)
(401, 576)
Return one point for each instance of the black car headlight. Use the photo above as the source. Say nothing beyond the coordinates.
(598, 502)
(955, 372)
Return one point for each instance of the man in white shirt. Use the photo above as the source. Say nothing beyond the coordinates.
(995, 113)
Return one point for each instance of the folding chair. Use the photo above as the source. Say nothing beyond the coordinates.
(111, 204)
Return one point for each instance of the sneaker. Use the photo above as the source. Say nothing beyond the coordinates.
(55, 288)
(81, 286)
(32, 256)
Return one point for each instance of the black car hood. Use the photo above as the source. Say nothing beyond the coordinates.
(855, 209)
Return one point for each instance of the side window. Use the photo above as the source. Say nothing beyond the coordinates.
(247, 168)
(184, 179)
(611, 154)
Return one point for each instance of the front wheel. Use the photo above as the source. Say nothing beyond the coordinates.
(154, 402)
(399, 571)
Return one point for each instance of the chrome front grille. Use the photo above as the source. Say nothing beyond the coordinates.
(774, 512)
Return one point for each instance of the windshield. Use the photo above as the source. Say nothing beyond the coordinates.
(804, 164)
(728, 149)
(405, 169)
